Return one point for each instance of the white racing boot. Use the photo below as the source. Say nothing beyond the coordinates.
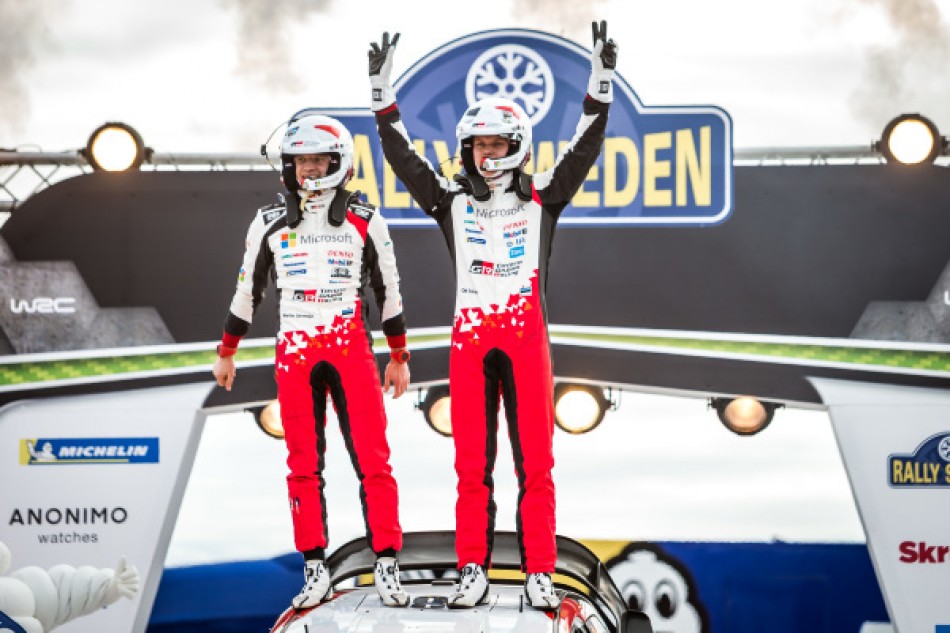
(386, 578)
(317, 587)
(472, 588)
(540, 592)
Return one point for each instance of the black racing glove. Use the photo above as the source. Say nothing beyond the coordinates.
(380, 69)
(603, 61)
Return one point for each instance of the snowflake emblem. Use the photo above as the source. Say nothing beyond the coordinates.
(512, 72)
(943, 448)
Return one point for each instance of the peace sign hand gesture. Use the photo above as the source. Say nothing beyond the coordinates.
(604, 49)
(381, 56)
(603, 61)
(380, 68)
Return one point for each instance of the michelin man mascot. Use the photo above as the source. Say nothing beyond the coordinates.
(37, 601)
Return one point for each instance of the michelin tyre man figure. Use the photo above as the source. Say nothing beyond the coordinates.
(37, 601)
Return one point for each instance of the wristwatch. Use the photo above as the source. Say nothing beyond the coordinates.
(400, 355)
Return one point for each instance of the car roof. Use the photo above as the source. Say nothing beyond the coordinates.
(360, 609)
(435, 551)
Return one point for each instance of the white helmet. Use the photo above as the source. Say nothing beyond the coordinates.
(317, 134)
(495, 116)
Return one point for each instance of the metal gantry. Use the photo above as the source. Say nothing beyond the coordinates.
(26, 173)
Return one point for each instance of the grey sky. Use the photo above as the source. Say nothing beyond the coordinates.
(218, 75)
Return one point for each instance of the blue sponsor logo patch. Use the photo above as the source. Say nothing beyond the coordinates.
(84, 450)
(517, 251)
(475, 240)
(927, 467)
(297, 271)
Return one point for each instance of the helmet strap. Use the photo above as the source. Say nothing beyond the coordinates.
(289, 176)
(472, 182)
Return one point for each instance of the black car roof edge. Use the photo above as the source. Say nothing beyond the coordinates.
(436, 550)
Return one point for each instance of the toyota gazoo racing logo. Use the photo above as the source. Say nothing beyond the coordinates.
(514, 72)
(479, 267)
(493, 269)
(309, 296)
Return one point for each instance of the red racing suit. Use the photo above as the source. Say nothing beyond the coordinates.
(325, 347)
(500, 249)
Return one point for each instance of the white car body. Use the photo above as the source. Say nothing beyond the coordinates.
(590, 602)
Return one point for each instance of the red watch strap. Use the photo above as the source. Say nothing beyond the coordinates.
(400, 356)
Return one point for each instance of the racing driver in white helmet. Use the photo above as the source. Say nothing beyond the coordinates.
(499, 223)
(321, 247)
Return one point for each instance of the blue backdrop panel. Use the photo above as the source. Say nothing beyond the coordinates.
(738, 587)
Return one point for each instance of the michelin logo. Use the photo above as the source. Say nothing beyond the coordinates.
(105, 450)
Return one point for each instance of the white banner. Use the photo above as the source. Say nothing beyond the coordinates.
(85, 480)
(895, 442)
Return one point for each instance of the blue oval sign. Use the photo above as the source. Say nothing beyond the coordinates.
(659, 165)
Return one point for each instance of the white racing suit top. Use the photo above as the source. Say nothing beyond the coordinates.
(320, 270)
(501, 245)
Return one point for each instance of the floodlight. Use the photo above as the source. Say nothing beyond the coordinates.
(579, 408)
(268, 419)
(744, 415)
(115, 147)
(436, 407)
(911, 139)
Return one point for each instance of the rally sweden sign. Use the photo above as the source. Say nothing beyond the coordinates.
(926, 467)
(659, 165)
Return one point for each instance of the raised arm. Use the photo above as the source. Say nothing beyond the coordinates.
(421, 179)
(558, 185)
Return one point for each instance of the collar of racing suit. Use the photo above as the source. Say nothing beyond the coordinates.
(316, 201)
(501, 182)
